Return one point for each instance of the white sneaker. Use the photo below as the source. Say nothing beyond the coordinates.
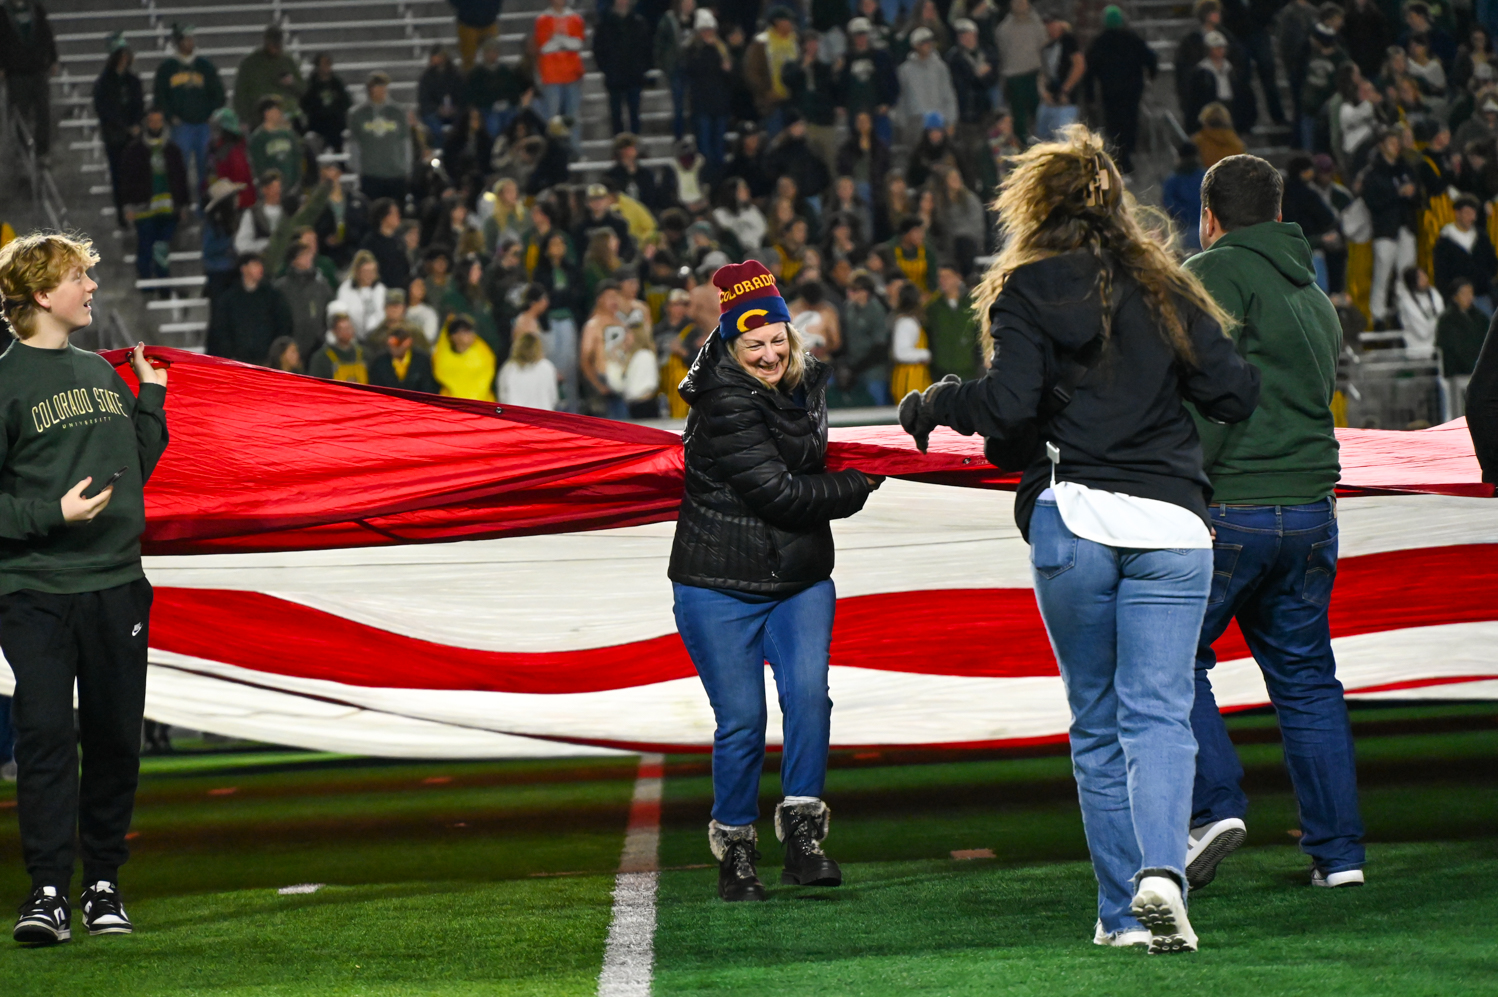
(1160, 907)
(1125, 939)
(8, 771)
(1208, 845)
(1347, 877)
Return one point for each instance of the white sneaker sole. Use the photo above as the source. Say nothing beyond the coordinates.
(1201, 869)
(111, 929)
(1168, 936)
(1349, 877)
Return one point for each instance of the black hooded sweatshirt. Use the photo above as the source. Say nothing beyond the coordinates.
(1125, 429)
(759, 500)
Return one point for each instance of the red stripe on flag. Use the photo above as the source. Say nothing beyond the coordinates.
(980, 633)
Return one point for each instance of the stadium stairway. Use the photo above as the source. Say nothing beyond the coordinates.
(1163, 23)
(361, 35)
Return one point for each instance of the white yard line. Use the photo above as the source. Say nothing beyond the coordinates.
(629, 958)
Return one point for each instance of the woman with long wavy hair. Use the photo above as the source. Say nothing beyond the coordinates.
(1098, 338)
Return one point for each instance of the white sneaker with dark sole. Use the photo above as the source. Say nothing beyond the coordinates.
(1208, 845)
(1159, 906)
(1347, 877)
(1127, 939)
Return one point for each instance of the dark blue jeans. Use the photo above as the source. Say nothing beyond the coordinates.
(710, 137)
(1273, 570)
(679, 105)
(730, 636)
(149, 230)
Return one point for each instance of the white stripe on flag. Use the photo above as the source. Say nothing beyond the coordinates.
(629, 957)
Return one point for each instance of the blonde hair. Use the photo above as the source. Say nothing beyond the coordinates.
(795, 363)
(34, 264)
(527, 349)
(361, 258)
(1044, 211)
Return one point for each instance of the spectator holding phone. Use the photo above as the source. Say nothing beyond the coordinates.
(74, 603)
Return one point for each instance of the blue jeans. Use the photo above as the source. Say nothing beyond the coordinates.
(1124, 625)
(679, 108)
(565, 98)
(149, 230)
(730, 636)
(1274, 568)
(193, 141)
(710, 137)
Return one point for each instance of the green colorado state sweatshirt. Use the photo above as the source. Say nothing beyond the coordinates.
(68, 416)
(1286, 452)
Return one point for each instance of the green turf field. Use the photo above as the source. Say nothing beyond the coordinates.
(495, 878)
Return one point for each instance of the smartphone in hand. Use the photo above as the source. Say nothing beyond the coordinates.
(112, 479)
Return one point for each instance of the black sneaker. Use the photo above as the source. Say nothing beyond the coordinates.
(45, 918)
(803, 827)
(103, 911)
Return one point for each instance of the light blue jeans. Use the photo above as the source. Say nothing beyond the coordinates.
(730, 636)
(566, 98)
(1124, 625)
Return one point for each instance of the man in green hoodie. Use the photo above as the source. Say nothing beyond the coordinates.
(75, 606)
(1274, 519)
(188, 90)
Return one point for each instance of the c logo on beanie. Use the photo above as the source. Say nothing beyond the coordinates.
(748, 298)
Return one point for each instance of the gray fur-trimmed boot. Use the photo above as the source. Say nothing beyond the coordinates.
(733, 847)
(803, 827)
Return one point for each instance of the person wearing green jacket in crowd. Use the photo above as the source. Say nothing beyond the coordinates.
(1460, 332)
(952, 328)
(264, 72)
(866, 337)
(1274, 519)
(188, 90)
(275, 146)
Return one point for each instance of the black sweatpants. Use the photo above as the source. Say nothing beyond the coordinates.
(99, 639)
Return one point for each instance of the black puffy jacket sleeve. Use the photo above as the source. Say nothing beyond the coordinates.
(745, 456)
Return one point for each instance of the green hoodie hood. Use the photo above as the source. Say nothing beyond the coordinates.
(1286, 452)
(1283, 244)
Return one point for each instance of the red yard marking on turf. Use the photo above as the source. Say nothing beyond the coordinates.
(7, 804)
(437, 780)
(964, 854)
(226, 791)
(132, 836)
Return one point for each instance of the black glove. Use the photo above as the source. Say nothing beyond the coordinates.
(918, 410)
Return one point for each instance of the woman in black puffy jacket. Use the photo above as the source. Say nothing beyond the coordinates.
(751, 570)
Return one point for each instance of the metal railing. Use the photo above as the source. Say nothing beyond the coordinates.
(44, 190)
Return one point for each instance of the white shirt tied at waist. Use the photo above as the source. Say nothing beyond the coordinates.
(1118, 520)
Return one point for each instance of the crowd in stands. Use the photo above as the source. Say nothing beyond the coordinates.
(1393, 119)
(852, 149)
(852, 146)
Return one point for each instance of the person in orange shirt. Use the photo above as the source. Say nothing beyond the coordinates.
(557, 48)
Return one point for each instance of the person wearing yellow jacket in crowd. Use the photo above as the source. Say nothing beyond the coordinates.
(342, 359)
(464, 365)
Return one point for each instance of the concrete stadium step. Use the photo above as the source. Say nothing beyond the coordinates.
(169, 283)
(175, 304)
